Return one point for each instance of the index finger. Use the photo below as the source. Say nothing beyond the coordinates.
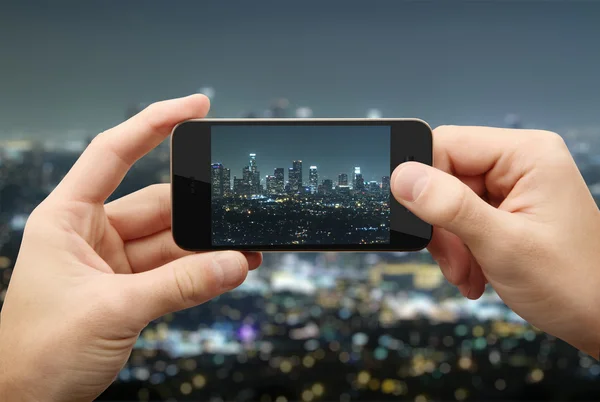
(490, 154)
(104, 163)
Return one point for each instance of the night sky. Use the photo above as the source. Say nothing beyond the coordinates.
(334, 150)
(71, 68)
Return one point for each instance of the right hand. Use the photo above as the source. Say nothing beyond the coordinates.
(510, 207)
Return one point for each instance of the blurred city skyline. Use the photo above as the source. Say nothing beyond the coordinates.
(308, 326)
(66, 76)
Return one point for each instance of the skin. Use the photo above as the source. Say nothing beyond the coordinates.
(509, 208)
(89, 276)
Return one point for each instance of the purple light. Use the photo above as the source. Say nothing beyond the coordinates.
(247, 333)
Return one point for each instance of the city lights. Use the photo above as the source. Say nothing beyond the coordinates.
(291, 212)
(331, 326)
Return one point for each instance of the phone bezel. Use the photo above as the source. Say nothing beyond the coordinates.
(191, 208)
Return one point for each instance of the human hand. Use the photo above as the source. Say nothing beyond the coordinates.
(89, 277)
(510, 207)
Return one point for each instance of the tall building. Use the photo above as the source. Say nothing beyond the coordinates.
(279, 180)
(359, 184)
(385, 184)
(374, 187)
(313, 179)
(292, 184)
(256, 187)
(271, 185)
(246, 175)
(327, 186)
(226, 181)
(240, 186)
(295, 177)
(342, 179)
(254, 176)
(216, 180)
(356, 173)
(298, 168)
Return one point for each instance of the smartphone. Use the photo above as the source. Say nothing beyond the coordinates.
(295, 184)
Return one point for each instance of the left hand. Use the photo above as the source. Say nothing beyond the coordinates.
(89, 276)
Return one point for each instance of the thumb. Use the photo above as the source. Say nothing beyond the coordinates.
(443, 200)
(187, 282)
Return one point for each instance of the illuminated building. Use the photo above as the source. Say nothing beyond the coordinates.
(326, 186)
(240, 186)
(279, 180)
(374, 114)
(343, 186)
(343, 189)
(272, 185)
(246, 175)
(226, 181)
(374, 187)
(292, 184)
(359, 182)
(295, 177)
(216, 180)
(298, 168)
(254, 176)
(385, 184)
(356, 173)
(313, 179)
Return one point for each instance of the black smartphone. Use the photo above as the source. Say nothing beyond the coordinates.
(295, 184)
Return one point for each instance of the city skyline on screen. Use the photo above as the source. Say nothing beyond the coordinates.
(333, 150)
(298, 202)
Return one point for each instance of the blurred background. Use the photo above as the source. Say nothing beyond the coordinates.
(324, 326)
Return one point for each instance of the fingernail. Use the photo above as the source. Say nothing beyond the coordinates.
(230, 265)
(410, 182)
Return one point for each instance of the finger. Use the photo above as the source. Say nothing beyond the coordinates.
(490, 153)
(158, 249)
(104, 163)
(186, 282)
(444, 201)
(254, 259)
(451, 255)
(475, 286)
(141, 213)
(477, 281)
(475, 183)
(152, 251)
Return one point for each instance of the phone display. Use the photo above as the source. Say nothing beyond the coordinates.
(294, 184)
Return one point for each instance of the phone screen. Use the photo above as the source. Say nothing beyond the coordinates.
(294, 184)
(300, 185)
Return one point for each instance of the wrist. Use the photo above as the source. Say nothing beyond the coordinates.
(13, 384)
(9, 385)
(585, 334)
